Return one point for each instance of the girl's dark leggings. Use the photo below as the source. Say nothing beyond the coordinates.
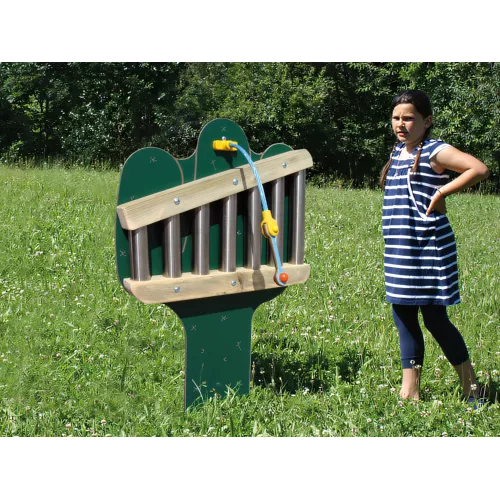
(411, 339)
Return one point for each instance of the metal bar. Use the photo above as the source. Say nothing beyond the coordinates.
(278, 211)
(172, 247)
(298, 199)
(139, 256)
(254, 234)
(201, 264)
(229, 210)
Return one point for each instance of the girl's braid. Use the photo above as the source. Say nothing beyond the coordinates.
(387, 166)
(420, 147)
(417, 157)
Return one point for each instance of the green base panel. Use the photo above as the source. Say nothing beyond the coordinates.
(218, 343)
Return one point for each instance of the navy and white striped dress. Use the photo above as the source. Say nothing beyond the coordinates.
(420, 259)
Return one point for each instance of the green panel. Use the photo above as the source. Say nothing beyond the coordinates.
(187, 165)
(241, 230)
(215, 234)
(218, 329)
(255, 156)
(147, 171)
(218, 342)
(187, 242)
(209, 161)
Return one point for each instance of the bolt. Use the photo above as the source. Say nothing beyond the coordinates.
(177, 201)
(235, 182)
(284, 165)
(223, 138)
(233, 282)
(177, 289)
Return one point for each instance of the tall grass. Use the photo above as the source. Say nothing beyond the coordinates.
(78, 356)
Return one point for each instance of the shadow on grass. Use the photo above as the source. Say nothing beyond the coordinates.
(316, 372)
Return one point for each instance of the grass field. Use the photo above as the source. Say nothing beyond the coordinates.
(80, 357)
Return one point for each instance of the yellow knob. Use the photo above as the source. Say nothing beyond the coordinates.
(270, 223)
(223, 145)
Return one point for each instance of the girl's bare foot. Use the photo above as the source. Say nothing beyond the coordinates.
(409, 394)
(410, 388)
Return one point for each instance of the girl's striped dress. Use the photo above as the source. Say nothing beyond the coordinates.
(420, 259)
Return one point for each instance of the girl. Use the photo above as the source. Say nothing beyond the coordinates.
(420, 259)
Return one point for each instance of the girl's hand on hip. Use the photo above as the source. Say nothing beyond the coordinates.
(438, 203)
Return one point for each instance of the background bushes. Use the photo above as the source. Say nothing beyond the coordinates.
(100, 113)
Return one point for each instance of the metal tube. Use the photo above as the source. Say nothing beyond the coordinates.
(254, 234)
(139, 256)
(278, 211)
(298, 200)
(229, 209)
(172, 247)
(201, 264)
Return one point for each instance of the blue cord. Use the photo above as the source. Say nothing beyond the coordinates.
(255, 173)
(264, 208)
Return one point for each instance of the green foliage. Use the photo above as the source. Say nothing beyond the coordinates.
(87, 113)
(81, 357)
(84, 112)
(32, 99)
(466, 104)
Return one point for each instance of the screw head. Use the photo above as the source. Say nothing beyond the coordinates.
(284, 165)
(223, 138)
(235, 182)
(177, 201)
(177, 289)
(233, 283)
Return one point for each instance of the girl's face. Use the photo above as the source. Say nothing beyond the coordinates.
(409, 125)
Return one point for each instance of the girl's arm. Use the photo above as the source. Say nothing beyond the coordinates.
(471, 172)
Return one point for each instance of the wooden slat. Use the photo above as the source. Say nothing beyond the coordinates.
(159, 206)
(161, 290)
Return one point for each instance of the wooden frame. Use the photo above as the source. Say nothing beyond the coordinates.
(159, 206)
(194, 286)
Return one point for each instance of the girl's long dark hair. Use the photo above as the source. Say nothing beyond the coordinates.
(423, 105)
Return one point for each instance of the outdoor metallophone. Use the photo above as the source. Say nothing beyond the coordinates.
(188, 234)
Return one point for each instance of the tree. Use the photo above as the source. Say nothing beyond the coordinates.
(87, 112)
